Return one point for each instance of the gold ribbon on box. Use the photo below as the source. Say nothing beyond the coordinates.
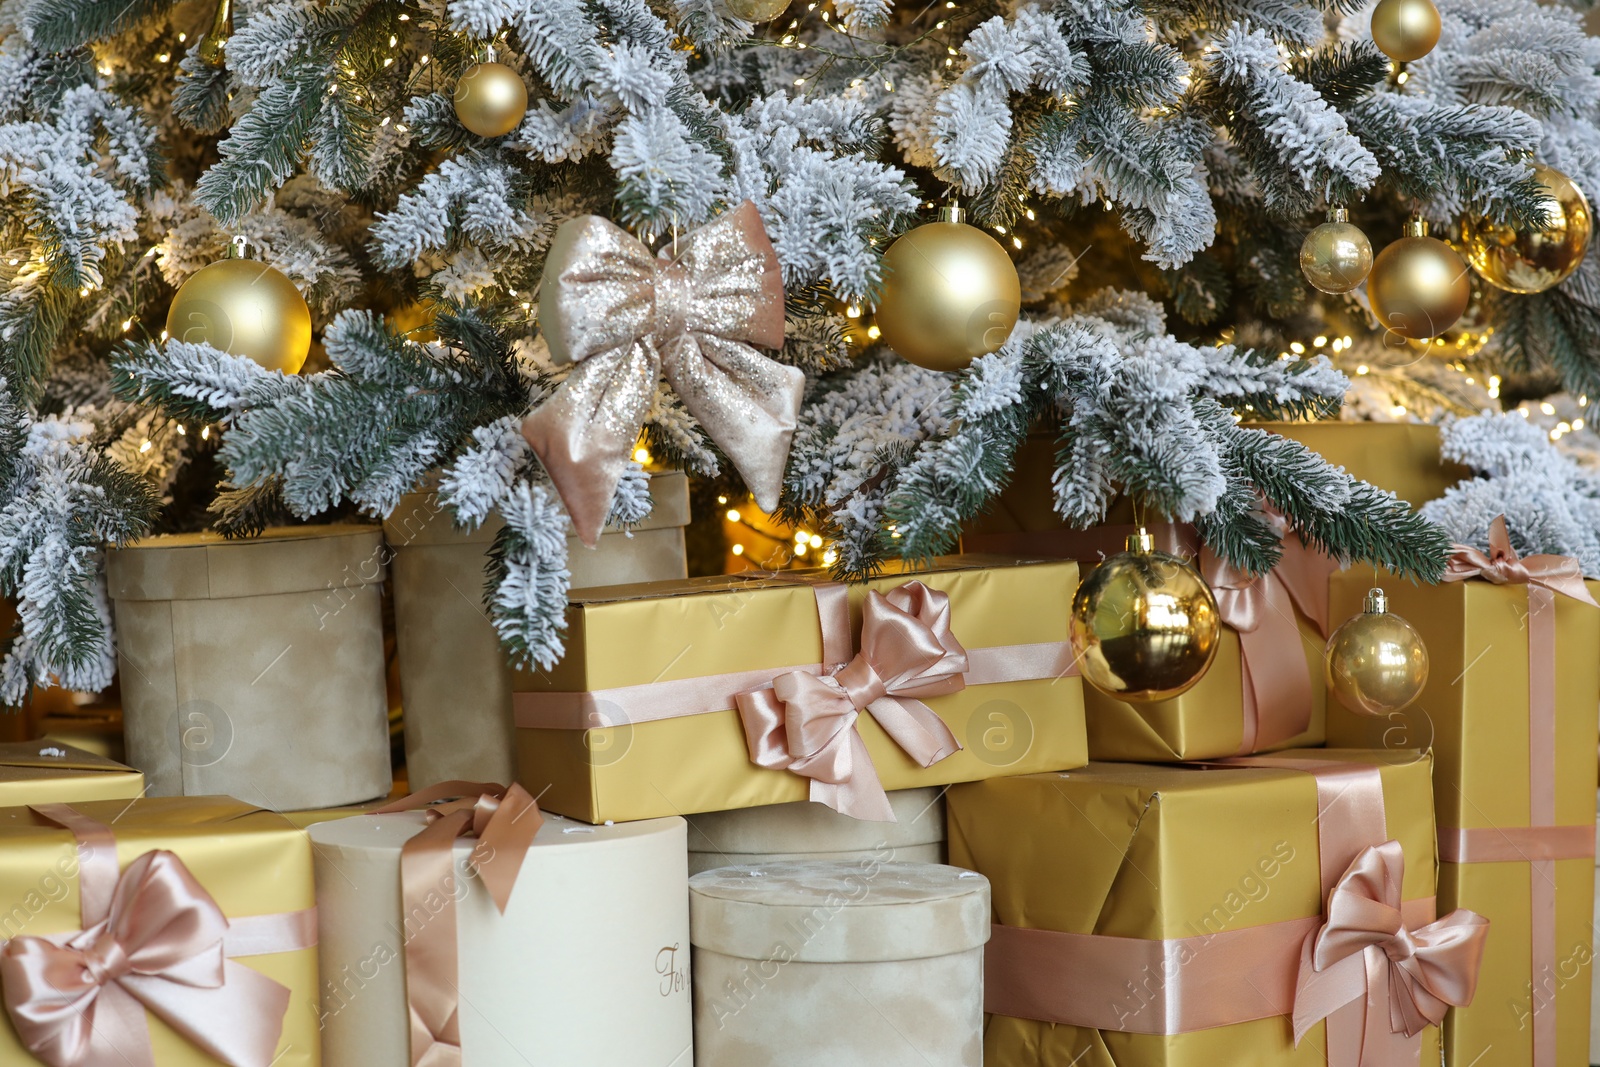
(626, 318)
(152, 939)
(504, 821)
(1541, 843)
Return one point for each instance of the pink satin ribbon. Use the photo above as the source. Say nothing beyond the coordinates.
(504, 822)
(1545, 576)
(153, 940)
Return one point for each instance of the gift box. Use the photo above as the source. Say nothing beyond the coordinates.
(1157, 915)
(209, 900)
(817, 964)
(255, 668)
(586, 964)
(682, 697)
(454, 680)
(1402, 457)
(805, 831)
(1509, 711)
(48, 772)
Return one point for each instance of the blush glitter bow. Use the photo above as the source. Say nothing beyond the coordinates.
(504, 822)
(78, 1000)
(806, 723)
(627, 318)
(1502, 566)
(1408, 978)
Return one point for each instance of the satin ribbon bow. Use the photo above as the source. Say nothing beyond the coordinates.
(1408, 978)
(504, 821)
(1502, 566)
(806, 723)
(626, 318)
(79, 999)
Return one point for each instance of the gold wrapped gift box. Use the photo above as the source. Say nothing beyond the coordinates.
(663, 632)
(1161, 853)
(1401, 457)
(1474, 713)
(49, 772)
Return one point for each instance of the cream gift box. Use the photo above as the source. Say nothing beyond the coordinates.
(807, 831)
(587, 967)
(820, 964)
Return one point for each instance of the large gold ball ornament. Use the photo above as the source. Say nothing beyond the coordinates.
(1418, 286)
(1144, 624)
(245, 308)
(1534, 260)
(1375, 662)
(1405, 30)
(951, 294)
(1336, 256)
(491, 99)
(757, 10)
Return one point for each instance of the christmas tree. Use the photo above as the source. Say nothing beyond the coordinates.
(1150, 170)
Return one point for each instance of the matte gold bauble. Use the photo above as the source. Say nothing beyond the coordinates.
(1375, 662)
(1418, 286)
(491, 99)
(1532, 261)
(951, 294)
(757, 10)
(1144, 624)
(245, 308)
(1405, 29)
(1336, 256)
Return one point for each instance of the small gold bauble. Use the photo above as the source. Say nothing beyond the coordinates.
(213, 47)
(1375, 662)
(491, 99)
(1533, 261)
(951, 294)
(1144, 624)
(245, 308)
(1405, 29)
(1418, 286)
(1336, 256)
(757, 10)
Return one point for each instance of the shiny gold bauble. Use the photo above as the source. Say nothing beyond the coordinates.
(757, 10)
(951, 294)
(1418, 286)
(1375, 662)
(1336, 256)
(1534, 260)
(491, 99)
(1144, 624)
(245, 308)
(1405, 29)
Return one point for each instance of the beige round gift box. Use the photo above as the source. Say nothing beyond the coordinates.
(254, 668)
(822, 963)
(807, 831)
(588, 967)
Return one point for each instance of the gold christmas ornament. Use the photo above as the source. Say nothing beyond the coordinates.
(213, 46)
(1405, 30)
(245, 308)
(757, 10)
(1418, 286)
(491, 99)
(951, 294)
(1534, 260)
(1375, 662)
(1144, 624)
(1336, 256)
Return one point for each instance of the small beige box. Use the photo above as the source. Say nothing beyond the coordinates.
(803, 830)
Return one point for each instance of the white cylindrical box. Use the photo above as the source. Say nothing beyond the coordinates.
(588, 967)
(817, 964)
(805, 831)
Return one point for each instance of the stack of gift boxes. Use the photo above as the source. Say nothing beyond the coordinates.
(774, 820)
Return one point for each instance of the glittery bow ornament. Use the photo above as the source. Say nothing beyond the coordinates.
(627, 318)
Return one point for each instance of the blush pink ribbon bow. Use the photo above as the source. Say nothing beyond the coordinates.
(1408, 978)
(627, 318)
(79, 1000)
(807, 723)
(1502, 566)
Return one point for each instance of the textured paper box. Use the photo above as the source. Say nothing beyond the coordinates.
(806, 831)
(250, 861)
(48, 772)
(254, 668)
(1474, 714)
(454, 681)
(639, 635)
(588, 967)
(821, 964)
(1166, 852)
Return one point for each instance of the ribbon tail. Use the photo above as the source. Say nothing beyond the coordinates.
(238, 1023)
(584, 432)
(862, 796)
(920, 733)
(1319, 994)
